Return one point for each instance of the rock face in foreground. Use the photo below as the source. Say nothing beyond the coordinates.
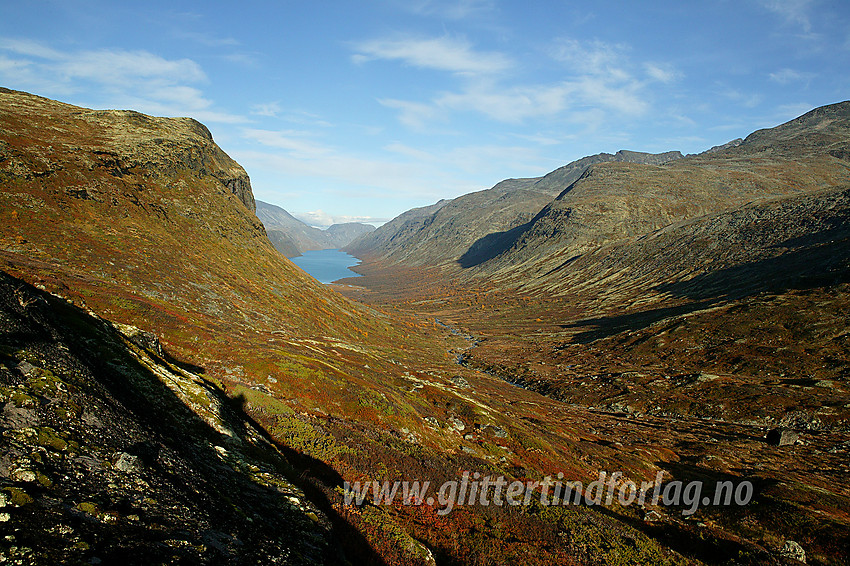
(166, 469)
(147, 223)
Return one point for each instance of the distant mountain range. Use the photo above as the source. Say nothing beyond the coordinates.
(754, 224)
(448, 229)
(519, 234)
(624, 206)
(292, 237)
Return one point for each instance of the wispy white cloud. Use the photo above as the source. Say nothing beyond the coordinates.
(519, 159)
(542, 139)
(296, 143)
(791, 111)
(592, 57)
(795, 12)
(623, 95)
(123, 67)
(244, 59)
(29, 48)
(747, 100)
(111, 67)
(400, 171)
(270, 109)
(512, 105)
(473, 158)
(415, 115)
(445, 53)
(206, 39)
(321, 219)
(451, 9)
(131, 79)
(787, 76)
(315, 217)
(597, 76)
(363, 175)
(662, 72)
(408, 151)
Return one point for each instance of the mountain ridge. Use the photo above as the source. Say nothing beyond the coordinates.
(612, 201)
(291, 236)
(447, 229)
(156, 243)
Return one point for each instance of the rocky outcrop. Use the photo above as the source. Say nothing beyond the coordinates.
(241, 187)
(125, 457)
(792, 550)
(728, 145)
(123, 142)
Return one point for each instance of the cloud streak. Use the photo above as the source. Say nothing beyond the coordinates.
(596, 76)
(795, 12)
(787, 76)
(454, 55)
(451, 9)
(137, 79)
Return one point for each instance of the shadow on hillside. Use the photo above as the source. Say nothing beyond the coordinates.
(692, 541)
(185, 366)
(603, 327)
(814, 261)
(486, 248)
(181, 466)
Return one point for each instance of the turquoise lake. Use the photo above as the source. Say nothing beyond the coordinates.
(327, 265)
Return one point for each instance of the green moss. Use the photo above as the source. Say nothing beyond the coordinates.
(48, 437)
(386, 527)
(585, 530)
(23, 400)
(267, 403)
(44, 480)
(89, 507)
(304, 438)
(18, 496)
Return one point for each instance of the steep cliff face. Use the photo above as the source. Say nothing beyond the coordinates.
(145, 222)
(150, 209)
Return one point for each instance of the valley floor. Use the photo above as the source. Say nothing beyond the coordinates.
(699, 384)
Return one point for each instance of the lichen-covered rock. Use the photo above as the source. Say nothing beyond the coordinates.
(781, 437)
(794, 551)
(104, 459)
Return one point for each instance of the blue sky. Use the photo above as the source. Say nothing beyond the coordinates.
(362, 110)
